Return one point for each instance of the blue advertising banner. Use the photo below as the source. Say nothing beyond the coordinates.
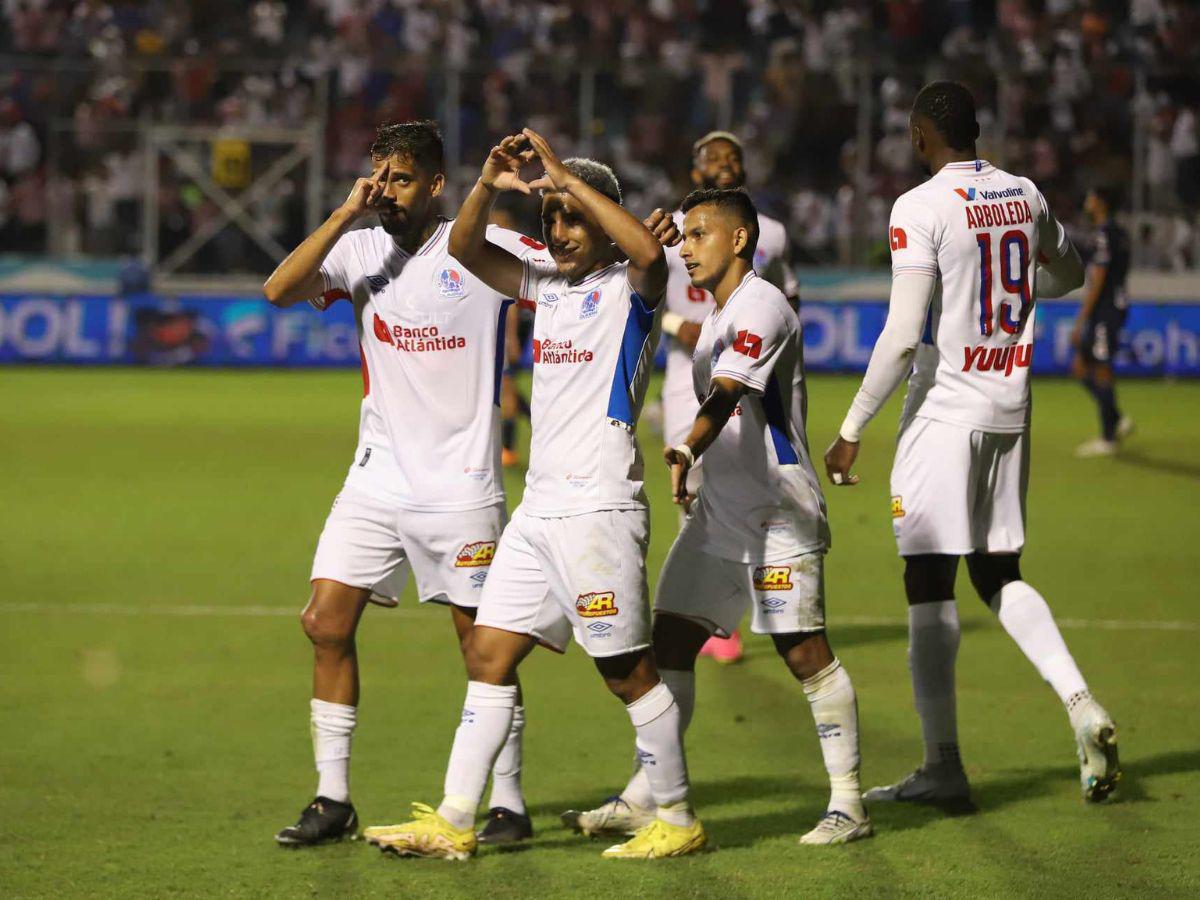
(1159, 339)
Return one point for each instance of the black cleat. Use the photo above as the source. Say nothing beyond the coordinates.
(503, 826)
(322, 822)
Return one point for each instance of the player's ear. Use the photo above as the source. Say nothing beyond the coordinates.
(697, 178)
(741, 237)
(437, 185)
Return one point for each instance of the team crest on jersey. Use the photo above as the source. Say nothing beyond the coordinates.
(596, 604)
(377, 283)
(473, 555)
(450, 283)
(591, 305)
(773, 578)
(898, 507)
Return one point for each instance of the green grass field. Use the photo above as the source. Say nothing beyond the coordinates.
(155, 544)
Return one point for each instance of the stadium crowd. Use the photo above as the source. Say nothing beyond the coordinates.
(1067, 89)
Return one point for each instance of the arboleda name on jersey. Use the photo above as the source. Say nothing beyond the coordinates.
(422, 339)
(556, 352)
(773, 578)
(596, 604)
(994, 215)
(473, 555)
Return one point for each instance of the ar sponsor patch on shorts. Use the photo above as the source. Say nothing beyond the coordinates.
(897, 507)
(477, 553)
(773, 578)
(596, 604)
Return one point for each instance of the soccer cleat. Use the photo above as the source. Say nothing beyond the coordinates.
(836, 827)
(1125, 428)
(723, 650)
(323, 821)
(1096, 744)
(428, 835)
(659, 840)
(613, 816)
(1097, 447)
(940, 785)
(503, 826)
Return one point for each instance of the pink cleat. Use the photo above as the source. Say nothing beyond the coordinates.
(723, 650)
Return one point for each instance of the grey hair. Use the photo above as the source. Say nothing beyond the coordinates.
(597, 175)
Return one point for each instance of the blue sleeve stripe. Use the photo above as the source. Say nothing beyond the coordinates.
(632, 362)
(502, 317)
(777, 424)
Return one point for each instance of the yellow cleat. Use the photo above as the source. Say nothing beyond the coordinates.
(427, 835)
(660, 839)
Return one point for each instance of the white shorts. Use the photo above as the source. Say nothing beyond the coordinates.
(367, 543)
(679, 414)
(583, 574)
(957, 491)
(784, 597)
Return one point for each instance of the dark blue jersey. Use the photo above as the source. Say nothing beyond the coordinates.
(1112, 252)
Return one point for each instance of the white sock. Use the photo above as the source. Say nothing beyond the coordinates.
(933, 636)
(682, 685)
(506, 773)
(1026, 617)
(835, 710)
(486, 722)
(656, 720)
(332, 726)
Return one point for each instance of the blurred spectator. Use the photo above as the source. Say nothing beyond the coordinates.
(1062, 86)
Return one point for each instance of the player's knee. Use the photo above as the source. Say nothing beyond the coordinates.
(929, 578)
(326, 631)
(990, 572)
(805, 653)
(629, 675)
(485, 662)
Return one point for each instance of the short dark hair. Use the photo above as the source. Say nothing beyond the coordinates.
(951, 108)
(731, 200)
(420, 141)
(1110, 195)
(597, 175)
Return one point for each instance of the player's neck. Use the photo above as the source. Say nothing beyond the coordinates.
(729, 282)
(412, 241)
(939, 159)
(602, 262)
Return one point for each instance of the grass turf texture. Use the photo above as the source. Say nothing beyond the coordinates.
(147, 753)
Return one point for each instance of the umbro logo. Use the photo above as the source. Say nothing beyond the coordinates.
(377, 283)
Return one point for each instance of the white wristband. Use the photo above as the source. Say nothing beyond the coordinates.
(686, 452)
(671, 323)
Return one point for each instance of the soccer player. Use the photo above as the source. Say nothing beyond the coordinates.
(573, 556)
(424, 489)
(757, 532)
(971, 249)
(1101, 316)
(716, 164)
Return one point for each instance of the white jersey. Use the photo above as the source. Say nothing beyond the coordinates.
(592, 350)
(694, 304)
(431, 343)
(979, 230)
(761, 500)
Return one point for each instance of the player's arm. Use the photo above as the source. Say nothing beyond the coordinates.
(1059, 269)
(298, 277)
(914, 278)
(647, 261)
(723, 397)
(494, 266)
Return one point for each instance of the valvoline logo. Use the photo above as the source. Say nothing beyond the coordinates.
(450, 283)
(968, 194)
(475, 554)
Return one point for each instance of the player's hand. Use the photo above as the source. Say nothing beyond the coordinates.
(557, 177)
(1076, 335)
(838, 460)
(662, 226)
(502, 168)
(364, 196)
(680, 466)
(688, 335)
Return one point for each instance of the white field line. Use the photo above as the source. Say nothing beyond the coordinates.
(185, 610)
